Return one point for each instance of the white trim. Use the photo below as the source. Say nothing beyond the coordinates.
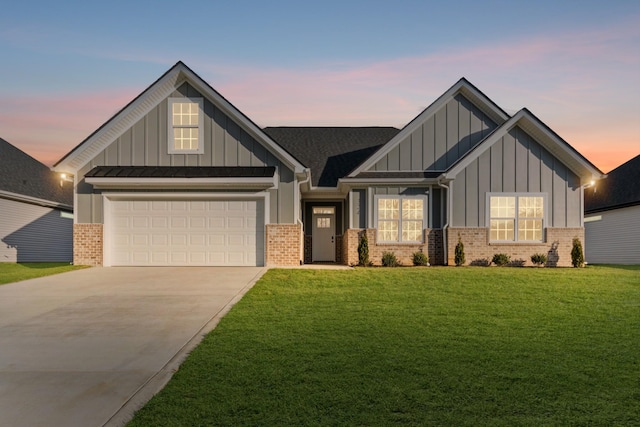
(478, 99)
(151, 98)
(183, 183)
(516, 195)
(400, 198)
(593, 218)
(170, 126)
(107, 198)
(557, 147)
(34, 200)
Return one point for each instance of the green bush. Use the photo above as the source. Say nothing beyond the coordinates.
(577, 256)
(501, 259)
(420, 258)
(389, 259)
(459, 255)
(539, 259)
(363, 251)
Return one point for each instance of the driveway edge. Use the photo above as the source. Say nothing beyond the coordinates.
(160, 379)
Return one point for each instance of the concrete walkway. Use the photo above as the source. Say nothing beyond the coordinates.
(89, 347)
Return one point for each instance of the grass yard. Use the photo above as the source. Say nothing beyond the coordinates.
(418, 346)
(12, 272)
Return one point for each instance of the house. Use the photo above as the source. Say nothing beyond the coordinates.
(612, 217)
(180, 176)
(36, 210)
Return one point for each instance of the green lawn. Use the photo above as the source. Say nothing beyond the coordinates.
(418, 346)
(11, 272)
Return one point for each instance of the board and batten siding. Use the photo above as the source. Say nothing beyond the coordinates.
(614, 238)
(516, 164)
(441, 140)
(225, 144)
(31, 233)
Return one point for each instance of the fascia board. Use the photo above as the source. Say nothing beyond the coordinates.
(120, 122)
(550, 141)
(248, 125)
(182, 183)
(149, 99)
(462, 86)
(34, 201)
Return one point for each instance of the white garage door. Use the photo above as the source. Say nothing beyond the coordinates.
(187, 232)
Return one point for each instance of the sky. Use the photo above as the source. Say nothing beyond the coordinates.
(68, 66)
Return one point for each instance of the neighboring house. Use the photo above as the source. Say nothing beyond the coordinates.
(36, 210)
(181, 177)
(612, 217)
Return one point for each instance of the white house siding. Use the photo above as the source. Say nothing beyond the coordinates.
(615, 238)
(31, 233)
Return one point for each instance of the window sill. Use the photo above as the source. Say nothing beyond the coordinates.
(519, 243)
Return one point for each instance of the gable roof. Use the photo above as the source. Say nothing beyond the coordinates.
(620, 189)
(149, 99)
(22, 175)
(331, 152)
(557, 146)
(464, 87)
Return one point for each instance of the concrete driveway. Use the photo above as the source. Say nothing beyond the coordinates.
(87, 348)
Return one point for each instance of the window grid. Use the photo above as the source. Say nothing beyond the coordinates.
(185, 138)
(185, 125)
(400, 219)
(528, 221)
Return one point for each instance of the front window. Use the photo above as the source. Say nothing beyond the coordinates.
(516, 218)
(400, 219)
(185, 125)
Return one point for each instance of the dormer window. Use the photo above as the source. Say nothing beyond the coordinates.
(185, 126)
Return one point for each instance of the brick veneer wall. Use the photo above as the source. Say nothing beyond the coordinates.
(404, 252)
(477, 247)
(283, 244)
(87, 244)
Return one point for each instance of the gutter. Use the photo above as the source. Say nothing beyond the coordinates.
(35, 201)
(300, 184)
(446, 225)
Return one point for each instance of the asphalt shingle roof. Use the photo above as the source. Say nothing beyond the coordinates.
(331, 152)
(621, 188)
(22, 174)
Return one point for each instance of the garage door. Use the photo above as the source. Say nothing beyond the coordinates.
(187, 232)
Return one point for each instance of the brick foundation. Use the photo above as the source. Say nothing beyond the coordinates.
(478, 250)
(404, 252)
(87, 244)
(283, 244)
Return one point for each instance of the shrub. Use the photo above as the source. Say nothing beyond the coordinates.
(459, 256)
(539, 259)
(420, 258)
(501, 259)
(577, 256)
(389, 259)
(363, 251)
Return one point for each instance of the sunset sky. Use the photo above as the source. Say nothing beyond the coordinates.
(68, 66)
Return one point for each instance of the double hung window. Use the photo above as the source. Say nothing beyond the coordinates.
(516, 218)
(400, 219)
(185, 125)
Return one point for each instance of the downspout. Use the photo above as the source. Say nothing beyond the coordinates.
(446, 225)
(304, 181)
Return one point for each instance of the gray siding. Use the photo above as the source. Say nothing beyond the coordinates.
(516, 163)
(441, 140)
(31, 233)
(225, 144)
(359, 205)
(613, 239)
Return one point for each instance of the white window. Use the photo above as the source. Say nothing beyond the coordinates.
(515, 218)
(186, 126)
(400, 219)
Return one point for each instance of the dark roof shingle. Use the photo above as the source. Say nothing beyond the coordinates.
(621, 188)
(24, 175)
(331, 152)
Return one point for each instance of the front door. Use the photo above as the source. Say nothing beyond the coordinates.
(323, 247)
